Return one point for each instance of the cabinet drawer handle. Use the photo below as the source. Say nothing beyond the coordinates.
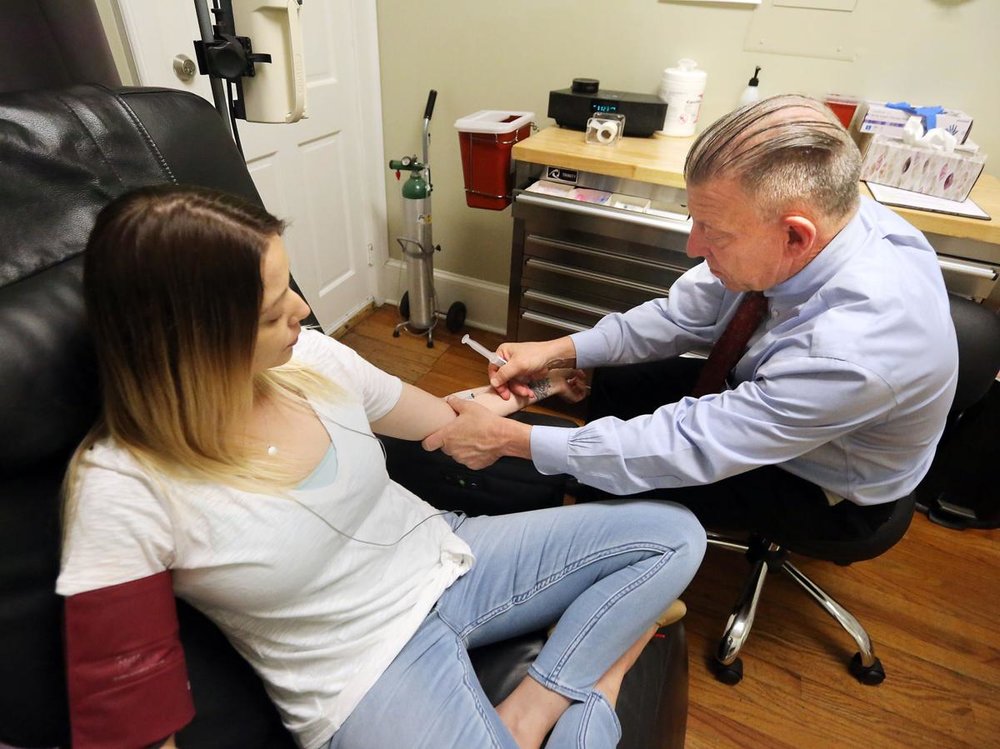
(965, 269)
(598, 277)
(554, 322)
(571, 304)
(643, 264)
(585, 209)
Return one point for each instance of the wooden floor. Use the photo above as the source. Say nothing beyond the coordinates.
(931, 606)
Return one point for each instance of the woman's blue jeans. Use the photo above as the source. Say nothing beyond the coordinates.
(602, 572)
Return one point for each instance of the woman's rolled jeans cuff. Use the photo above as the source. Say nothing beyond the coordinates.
(657, 559)
(596, 725)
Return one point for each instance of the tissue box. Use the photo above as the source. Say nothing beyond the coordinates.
(944, 174)
(878, 119)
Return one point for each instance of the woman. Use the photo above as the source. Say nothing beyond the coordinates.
(235, 466)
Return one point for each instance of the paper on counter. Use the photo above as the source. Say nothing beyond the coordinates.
(909, 199)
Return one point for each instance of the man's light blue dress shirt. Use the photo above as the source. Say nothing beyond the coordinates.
(846, 385)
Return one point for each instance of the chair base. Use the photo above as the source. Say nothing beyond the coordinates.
(767, 557)
(957, 516)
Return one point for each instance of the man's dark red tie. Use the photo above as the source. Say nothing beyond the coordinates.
(728, 350)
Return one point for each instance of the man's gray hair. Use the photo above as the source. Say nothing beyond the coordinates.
(783, 150)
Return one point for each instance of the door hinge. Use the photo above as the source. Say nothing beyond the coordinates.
(371, 255)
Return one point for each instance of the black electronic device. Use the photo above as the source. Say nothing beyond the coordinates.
(572, 107)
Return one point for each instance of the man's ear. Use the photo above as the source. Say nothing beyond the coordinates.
(801, 235)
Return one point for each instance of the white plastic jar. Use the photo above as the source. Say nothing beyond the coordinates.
(682, 88)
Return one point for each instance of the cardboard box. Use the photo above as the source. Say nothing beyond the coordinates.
(877, 119)
(944, 174)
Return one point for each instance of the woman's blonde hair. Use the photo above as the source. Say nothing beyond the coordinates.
(173, 290)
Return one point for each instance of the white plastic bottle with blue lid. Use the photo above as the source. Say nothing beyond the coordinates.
(682, 88)
(751, 93)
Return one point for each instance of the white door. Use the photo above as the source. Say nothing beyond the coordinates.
(322, 174)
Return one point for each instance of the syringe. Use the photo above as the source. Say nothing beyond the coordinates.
(479, 349)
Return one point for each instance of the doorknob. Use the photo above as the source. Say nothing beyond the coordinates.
(184, 67)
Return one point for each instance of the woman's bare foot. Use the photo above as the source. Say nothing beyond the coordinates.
(531, 710)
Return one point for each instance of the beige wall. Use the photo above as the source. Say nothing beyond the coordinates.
(483, 55)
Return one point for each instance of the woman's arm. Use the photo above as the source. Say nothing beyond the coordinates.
(418, 413)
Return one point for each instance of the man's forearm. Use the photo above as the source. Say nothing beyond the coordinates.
(516, 439)
(561, 353)
(478, 437)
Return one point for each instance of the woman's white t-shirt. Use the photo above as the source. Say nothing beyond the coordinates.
(319, 615)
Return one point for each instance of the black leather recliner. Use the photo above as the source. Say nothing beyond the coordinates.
(63, 155)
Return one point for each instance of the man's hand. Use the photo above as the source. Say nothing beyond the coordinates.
(527, 362)
(478, 437)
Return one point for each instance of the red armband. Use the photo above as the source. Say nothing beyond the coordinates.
(126, 675)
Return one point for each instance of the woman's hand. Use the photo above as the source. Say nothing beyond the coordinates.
(568, 384)
(576, 386)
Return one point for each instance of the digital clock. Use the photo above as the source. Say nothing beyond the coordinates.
(572, 107)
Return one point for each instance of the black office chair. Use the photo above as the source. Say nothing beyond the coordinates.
(959, 489)
(63, 155)
(978, 331)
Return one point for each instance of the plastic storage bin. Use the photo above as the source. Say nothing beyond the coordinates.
(486, 138)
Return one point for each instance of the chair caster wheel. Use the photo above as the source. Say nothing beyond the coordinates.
(870, 675)
(395, 334)
(731, 674)
(430, 343)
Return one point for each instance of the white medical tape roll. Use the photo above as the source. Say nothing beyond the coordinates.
(607, 132)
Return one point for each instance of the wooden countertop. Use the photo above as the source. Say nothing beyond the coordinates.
(660, 160)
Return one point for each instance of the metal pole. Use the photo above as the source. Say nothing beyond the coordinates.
(208, 36)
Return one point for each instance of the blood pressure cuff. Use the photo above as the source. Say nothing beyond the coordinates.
(127, 680)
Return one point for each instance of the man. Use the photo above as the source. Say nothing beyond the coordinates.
(835, 407)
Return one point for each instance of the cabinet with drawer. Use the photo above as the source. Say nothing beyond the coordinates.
(971, 268)
(572, 263)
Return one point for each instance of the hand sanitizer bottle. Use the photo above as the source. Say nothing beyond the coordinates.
(751, 93)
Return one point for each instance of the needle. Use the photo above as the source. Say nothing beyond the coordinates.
(479, 349)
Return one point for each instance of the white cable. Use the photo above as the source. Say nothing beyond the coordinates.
(335, 529)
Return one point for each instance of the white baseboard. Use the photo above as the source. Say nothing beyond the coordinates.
(485, 303)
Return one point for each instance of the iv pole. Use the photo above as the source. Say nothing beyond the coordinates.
(224, 55)
(208, 36)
